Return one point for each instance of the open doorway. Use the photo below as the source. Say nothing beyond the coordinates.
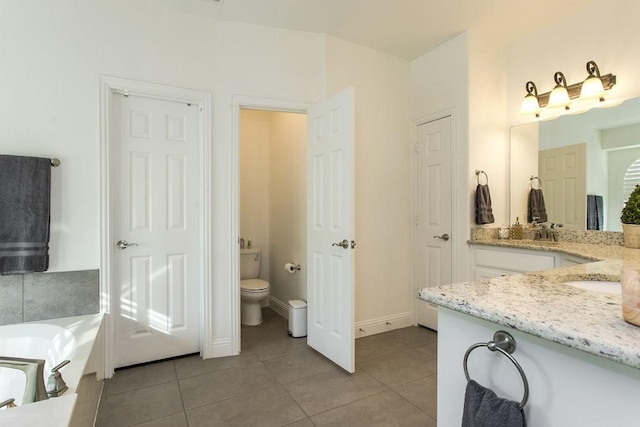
(328, 205)
(272, 212)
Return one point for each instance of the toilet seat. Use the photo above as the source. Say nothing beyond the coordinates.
(254, 285)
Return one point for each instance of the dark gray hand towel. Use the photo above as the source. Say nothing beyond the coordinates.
(482, 408)
(25, 192)
(595, 213)
(536, 208)
(484, 214)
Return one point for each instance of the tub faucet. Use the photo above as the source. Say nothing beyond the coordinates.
(8, 403)
(55, 384)
(33, 369)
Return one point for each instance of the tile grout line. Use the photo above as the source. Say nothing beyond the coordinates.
(291, 397)
(413, 404)
(350, 403)
(184, 410)
(282, 383)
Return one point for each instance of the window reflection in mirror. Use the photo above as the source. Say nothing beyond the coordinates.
(609, 139)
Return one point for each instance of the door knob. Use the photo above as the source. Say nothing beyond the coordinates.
(344, 244)
(444, 237)
(123, 244)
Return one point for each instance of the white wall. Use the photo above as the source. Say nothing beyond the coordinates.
(258, 62)
(383, 224)
(288, 205)
(523, 164)
(53, 55)
(440, 86)
(618, 162)
(607, 35)
(488, 127)
(254, 182)
(620, 137)
(577, 129)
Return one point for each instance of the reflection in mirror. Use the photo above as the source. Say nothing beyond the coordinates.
(576, 156)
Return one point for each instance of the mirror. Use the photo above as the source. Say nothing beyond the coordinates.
(575, 156)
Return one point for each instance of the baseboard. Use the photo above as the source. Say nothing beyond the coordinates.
(383, 324)
(279, 307)
(218, 349)
(362, 329)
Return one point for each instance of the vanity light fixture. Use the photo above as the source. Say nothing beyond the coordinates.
(531, 103)
(559, 96)
(594, 87)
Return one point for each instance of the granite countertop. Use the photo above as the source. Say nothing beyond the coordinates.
(540, 304)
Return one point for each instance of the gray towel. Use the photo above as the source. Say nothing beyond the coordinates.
(482, 408)
(536, 208)
(484, 214)
(595, 212)
(25, 192)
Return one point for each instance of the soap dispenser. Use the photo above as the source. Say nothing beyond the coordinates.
(516, 230)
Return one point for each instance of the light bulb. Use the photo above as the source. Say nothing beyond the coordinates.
(530, 105)
(592, 88)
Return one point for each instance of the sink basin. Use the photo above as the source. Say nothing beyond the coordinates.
(597, 285)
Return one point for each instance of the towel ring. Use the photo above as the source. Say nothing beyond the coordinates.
(505, 344)
(478, 172)
(539, 182)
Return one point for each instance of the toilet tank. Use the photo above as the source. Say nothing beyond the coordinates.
(250, 263)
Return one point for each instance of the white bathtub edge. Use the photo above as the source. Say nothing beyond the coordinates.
(57, 412)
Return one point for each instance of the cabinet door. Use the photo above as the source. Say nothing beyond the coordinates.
(493, 262)
(481, 273)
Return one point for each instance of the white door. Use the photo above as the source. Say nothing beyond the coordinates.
(433, 215)
(154, 178)
(330, 194)
(562, 172)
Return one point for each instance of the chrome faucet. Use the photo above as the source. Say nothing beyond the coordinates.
(33, 369)
(555, 234)
(55, 384)
(8, 403)
(544, 233)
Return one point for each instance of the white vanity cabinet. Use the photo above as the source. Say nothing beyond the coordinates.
(492, 261)
(489, 261)
(567, 387)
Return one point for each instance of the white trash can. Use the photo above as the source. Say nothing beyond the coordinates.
(297, 318)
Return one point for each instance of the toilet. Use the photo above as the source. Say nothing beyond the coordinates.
(252, 290)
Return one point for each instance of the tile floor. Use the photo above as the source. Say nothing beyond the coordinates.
(280, 381)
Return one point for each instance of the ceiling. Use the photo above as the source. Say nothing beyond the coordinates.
(403, 28)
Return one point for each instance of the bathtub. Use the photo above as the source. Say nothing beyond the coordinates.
(78, 339)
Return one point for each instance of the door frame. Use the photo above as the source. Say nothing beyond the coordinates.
(458, 240)
(109, 86)
(253, 103)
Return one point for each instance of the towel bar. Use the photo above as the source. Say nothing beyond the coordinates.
(505, 344)
(478, 172)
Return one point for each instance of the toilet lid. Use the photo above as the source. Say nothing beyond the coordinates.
(254, 285)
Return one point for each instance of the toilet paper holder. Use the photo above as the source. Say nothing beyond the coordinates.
(291, 267)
